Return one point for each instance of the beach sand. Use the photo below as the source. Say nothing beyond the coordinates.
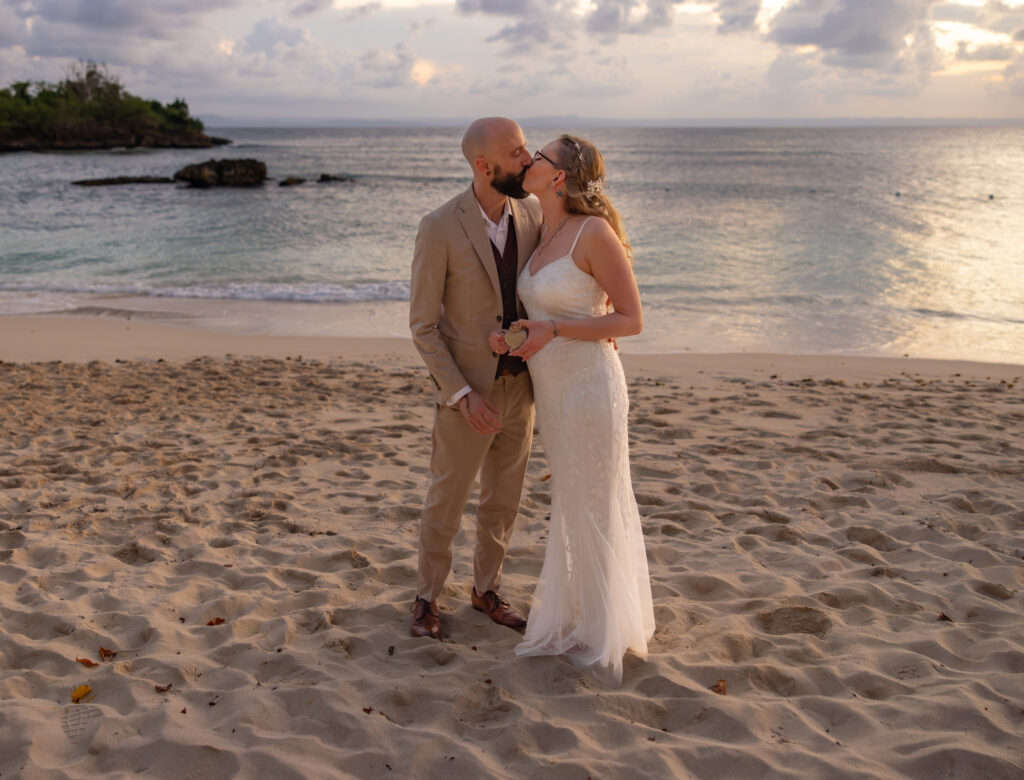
(839, 540)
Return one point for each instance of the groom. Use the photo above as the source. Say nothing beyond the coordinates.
(468, 255)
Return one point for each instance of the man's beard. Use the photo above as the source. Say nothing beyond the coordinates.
(509, 183)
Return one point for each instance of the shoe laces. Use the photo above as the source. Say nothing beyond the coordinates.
(419, 612)
(496, 600)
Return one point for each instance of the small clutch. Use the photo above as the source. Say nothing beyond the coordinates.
(515, 337)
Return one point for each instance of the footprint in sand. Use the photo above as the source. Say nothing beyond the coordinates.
(795, 620)
(485, 705)
(135, 554)
(994, 590)
(871, 538)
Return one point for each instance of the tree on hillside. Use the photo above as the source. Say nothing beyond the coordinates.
(90, 108)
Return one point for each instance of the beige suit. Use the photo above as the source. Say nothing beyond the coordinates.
(455, 303)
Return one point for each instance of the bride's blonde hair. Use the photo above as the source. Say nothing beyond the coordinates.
(584, 184)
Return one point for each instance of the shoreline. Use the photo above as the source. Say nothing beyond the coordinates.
(114, 333)
(664, 333)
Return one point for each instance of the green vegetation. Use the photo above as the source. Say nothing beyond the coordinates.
(90, 109)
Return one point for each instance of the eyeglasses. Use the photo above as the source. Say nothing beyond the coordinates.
(538, 155)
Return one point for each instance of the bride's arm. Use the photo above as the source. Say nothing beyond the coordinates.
(602, 256)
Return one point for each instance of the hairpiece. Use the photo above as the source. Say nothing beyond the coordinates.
(596, 186)
(579, 152)
(577, 164)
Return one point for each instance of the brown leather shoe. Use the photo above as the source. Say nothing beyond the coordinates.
(498, 610)
(425, 619)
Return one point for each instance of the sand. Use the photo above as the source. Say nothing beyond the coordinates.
(839, 540)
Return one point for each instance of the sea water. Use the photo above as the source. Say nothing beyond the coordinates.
(868, 241)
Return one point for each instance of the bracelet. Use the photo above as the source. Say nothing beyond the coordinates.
(554, 329)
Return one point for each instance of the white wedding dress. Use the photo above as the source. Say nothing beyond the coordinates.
(593, 599)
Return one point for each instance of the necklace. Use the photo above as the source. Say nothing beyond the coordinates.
(544, 243)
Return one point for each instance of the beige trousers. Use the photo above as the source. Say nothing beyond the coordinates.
(459, 454)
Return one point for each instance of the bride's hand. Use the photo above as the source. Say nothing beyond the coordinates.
(497, 342)
(539, 333)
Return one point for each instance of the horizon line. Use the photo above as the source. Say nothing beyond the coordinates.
(219, 120)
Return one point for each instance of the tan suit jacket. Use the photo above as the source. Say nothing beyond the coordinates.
(455, 296)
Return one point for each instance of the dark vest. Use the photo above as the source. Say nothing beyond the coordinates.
(507, 263)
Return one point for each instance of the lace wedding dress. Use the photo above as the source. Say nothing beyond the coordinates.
(593, 599)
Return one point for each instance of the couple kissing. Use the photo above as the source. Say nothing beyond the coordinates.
(520, 285)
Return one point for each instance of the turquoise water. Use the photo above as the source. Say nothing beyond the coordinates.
(878, 241)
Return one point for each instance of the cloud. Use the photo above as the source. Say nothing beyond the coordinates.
(523, 36)
(1013, 74)
(537, 23)
(498, 7)
(546, 21)
(269, 34)
(994, 16)
(146, 19)
(1019, 35)
(360, 11)
(119, 32)
(791, 68)
(12, 27)
(988, 53)
(556, 21)
(417, 27)
(636, 17)
(851, 33)
(611, 18)
(384, 69)
(310, 7)
(874, 48)
(737, 15)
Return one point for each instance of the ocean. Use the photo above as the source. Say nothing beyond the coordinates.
(860, 241)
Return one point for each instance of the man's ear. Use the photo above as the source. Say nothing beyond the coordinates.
(482, 165)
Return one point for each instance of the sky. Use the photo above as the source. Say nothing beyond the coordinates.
(626, 60)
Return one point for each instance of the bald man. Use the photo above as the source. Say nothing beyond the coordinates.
(468, 255)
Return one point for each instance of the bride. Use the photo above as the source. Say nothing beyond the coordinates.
(593, 598)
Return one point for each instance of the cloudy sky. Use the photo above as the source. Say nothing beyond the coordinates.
(616, 59)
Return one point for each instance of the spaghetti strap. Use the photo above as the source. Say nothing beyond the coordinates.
(578, 232)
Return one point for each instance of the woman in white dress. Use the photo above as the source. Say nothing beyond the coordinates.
(593, 599)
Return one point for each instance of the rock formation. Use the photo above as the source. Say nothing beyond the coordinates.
(123, 180)
(224, 173)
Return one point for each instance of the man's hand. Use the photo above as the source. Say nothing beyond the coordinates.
(480, 414)
(497, 342)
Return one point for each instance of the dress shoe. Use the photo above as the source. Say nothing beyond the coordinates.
(425, 619)
(498, 609)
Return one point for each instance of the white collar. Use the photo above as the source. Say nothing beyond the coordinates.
(501, 220)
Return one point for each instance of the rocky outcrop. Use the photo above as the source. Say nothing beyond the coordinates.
(328, 177)
(291, 181)
(224, 173)
(116, 180)
(107, 139)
